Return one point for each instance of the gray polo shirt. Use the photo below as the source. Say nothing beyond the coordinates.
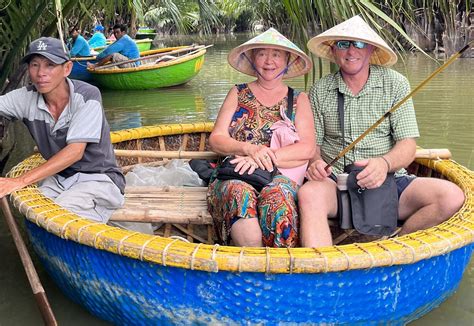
(82, 121)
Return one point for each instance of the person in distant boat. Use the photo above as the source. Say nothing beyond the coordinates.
(80, 47)
(121, 50)
(66, 120)
(369, 89)
(98, 39)
(251, 117)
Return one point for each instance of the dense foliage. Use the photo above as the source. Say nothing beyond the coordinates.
(406, 24)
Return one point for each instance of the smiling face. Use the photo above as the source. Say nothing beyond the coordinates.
(353, 61)
(269, 63)
(46, 75)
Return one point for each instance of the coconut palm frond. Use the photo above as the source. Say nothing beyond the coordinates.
(208, 15)
(16, 30)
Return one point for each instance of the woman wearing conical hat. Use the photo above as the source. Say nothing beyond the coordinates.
(368, 90)
(255, 127)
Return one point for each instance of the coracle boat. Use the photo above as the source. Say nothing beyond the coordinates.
(144, 32)
(142, 44)
(79, 65)
(166, 67)
(131, 278)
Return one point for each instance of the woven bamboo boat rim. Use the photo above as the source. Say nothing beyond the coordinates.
(455, 233)
(145, 67)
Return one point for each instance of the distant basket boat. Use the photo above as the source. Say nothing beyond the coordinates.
(155, 72)
(145, 33)
(129, 278)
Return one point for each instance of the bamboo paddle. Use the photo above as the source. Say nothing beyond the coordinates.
(396, 106)
(189, 53)
(198, 47)
(35, 283)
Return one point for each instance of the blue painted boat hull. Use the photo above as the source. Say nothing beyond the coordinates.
(132, 292)
(79, 70)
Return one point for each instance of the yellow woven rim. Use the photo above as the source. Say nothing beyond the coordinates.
(455, 233)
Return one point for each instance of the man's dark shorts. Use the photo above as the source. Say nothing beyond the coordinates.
(402, 182)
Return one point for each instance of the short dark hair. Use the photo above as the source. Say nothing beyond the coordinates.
(74, 29)
(123, 28)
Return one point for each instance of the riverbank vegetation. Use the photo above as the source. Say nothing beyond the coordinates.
(442, 26)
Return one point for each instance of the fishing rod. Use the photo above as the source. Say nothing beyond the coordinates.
(396, 106)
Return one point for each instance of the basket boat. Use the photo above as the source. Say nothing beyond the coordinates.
(145, 33)
(131, 278)
(152, 74)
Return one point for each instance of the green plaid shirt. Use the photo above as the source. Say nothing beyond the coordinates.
(384, 88)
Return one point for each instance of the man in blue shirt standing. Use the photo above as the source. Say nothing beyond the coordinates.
(80, 47)
(121, 50)
(98, 39)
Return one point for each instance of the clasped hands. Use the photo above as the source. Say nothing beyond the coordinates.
(372, 176)
(261, 157)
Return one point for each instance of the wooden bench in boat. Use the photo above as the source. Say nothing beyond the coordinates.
(183, 210)
(175, 210)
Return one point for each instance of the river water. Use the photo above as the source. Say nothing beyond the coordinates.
(444, 111)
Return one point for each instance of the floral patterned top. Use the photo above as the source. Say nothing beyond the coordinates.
(252, 120)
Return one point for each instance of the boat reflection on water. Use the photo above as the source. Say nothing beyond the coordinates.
(132, 109)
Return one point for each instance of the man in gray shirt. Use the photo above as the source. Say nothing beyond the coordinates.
(66, 119)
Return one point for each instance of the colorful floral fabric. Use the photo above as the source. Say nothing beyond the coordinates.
(275, 206)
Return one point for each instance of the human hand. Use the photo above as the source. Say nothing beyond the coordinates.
(91, 66)
(263, 156)
(316, 171)
(9, 185)
(374, 172)
(244, 164)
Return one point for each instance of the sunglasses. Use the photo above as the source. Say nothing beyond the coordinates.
(344, 45)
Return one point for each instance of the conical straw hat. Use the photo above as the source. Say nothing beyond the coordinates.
(354, 29)
(239, 57)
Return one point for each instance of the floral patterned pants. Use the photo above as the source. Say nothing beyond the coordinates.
(275, 207)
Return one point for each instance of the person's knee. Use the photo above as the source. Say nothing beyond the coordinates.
(247, 233)
(452, 200)
(307, 192)
(320, 194)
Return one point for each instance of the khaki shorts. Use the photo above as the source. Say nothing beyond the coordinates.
(93, 196)
(117, 57)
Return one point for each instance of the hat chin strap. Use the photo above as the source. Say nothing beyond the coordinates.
(283, 72)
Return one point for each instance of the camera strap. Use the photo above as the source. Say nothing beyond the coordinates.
(340, 109)
(289, 109)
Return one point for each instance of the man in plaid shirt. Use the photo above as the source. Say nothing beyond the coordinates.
(369, 90)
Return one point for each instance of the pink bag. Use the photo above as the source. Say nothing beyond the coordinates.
(284, 133)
